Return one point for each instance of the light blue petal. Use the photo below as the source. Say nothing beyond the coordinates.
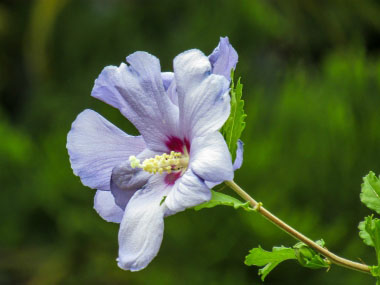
(125, 180)
(203, 98)
(167, 78)
(124, 183)
(237, 163)
(142, 227)
(239, 155)
(105, 206)
(223, 58)
(170, 86)
(96, 146)
(172, 93)
(138, 92)
(210, 158)
(188, 191)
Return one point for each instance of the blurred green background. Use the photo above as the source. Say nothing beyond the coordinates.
(311, 75)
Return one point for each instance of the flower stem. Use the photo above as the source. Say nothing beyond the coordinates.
(297, 235)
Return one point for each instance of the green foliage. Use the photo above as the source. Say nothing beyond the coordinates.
(305, 255)
(163, 200)
(218, 199)
(375, 271)
(309, 258)
(235, 124)
(15, 146)
(367, 239)
(370, 233)
(268, 259)
(369, 229)
(370, 195)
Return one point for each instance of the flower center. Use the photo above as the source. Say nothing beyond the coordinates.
(173, 162)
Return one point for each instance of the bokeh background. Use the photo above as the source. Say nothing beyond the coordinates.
(311, 75)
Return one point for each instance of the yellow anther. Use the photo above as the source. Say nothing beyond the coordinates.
(168, 169)
(135, 162)
(174, 161)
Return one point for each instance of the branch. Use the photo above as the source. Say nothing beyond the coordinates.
(297, 235)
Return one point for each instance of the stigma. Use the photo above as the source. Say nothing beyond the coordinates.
(165, 163)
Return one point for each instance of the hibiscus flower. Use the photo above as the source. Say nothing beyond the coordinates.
(179, 155)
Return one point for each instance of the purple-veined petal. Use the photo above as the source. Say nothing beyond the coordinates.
(203, 99)
(239, 155)
(142, 227)
(105, 206)
(172, 93)
(167, 78)
(210, 158)
(223, 58)
(125, 180)
(188, 191)
(138, 92)
(96, 146)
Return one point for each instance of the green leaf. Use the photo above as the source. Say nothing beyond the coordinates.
(268, 259)
(364, 234)
(309, 258)
(375, 271)
(235, 124)
(218, 198)
(163, 200)
(267, 269)
(261, 257)
(305, 255)
(370, 195)
(370, 233)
